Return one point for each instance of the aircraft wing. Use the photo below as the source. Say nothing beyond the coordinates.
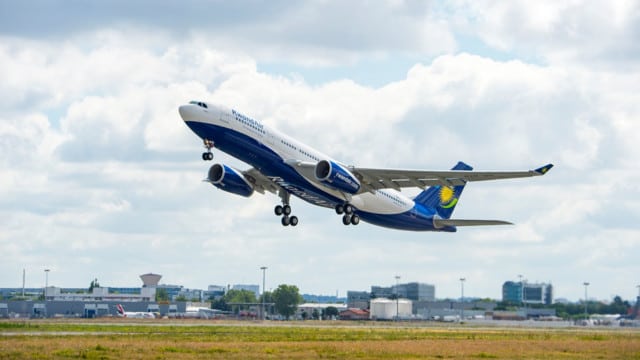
(374, 179)
(260, 182)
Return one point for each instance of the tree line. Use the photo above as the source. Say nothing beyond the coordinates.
(285, 299)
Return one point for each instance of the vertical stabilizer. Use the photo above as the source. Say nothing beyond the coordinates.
(443, 198)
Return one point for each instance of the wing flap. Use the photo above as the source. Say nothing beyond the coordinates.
(260, 182)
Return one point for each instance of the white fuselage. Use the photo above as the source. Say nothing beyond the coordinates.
(383, 202)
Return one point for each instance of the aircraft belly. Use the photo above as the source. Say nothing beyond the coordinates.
(405, 221)
(374, 204)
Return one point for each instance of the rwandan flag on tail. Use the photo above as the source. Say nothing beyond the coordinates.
(443, 198)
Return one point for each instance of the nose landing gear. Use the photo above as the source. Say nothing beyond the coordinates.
(207, 155)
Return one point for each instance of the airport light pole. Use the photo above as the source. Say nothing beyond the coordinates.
(263, 268)
(46, 283)
(397, 299)
(522, 295)
(586, 314)
(521, 289)
(462, 280)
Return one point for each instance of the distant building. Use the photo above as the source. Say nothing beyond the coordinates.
(527, 293)
(417, 291)
(4, 310)
(512, 292)
(101, 294)
(354, 314)
(173, 291)
(253, 288)
(214, 292)
(87, 309)
(446, 308)
(358, 299)
(382, 292)
(413, 291)
(189, 295)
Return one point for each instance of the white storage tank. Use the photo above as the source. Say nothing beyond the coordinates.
(385, 309)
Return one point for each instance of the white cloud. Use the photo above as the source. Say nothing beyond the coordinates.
(96, 164)
(573, 33)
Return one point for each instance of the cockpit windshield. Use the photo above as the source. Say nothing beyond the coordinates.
(199, 103)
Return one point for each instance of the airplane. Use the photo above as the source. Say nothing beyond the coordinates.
(134, 315)
(285, 166)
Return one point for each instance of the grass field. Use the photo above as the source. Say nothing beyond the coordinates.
(168, 339)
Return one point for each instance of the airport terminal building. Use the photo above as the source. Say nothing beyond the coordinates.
(527, 293)
(79, 302)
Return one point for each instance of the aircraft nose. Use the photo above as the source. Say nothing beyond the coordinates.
(185, 111)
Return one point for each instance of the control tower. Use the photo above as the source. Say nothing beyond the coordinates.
(150, 280)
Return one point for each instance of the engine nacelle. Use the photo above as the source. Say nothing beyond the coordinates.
(337, 177)
(229, 179)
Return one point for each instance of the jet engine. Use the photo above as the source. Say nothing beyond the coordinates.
(337, 176)
(229, 179)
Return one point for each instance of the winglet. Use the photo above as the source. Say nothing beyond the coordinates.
(543, 170)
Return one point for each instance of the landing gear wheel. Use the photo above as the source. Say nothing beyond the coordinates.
(346, 219)
(355, 220)
(339, 209)
(348, 209)
(285, 209)
(208, 155)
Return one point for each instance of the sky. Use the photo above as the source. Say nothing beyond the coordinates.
(100, 178)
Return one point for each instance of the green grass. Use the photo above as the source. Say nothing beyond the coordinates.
(168, 339)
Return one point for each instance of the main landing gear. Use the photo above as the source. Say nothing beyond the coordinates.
(207, 155)
(284, 210)
(349, 217)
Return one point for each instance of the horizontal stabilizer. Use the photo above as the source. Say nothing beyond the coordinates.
(439, 223)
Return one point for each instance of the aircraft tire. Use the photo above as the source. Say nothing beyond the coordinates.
(355, 220)
(278, 210)
(293, 221)
(348, 209)
(346, 219)
(285, 221)
(339, 209)
(286, 210)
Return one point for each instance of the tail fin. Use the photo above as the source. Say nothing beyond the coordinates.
(120, 310)
(443, 198)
